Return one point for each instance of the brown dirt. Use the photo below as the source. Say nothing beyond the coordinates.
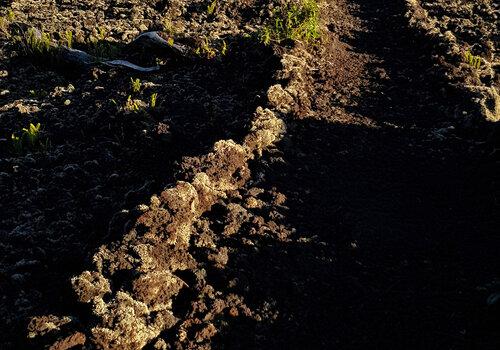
(356, 208)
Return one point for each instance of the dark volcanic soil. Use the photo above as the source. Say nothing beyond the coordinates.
(373, 223)
(59, 205)
(388, 238)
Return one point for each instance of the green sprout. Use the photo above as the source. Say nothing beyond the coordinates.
(211, 8)
(168, 27)
(206, 50)
(152, 101)
(132, 105)
(265, 36)
(136, 85)
(32, 133)
(11, 16)
(102, 33)
(211, 49)
(69, 38)
(37, 43)
(17, 144)
(224, 48)
(30, 139)
(102, 48)
(170, 41)
(474, 61)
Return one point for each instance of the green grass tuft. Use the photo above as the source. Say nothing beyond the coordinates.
(472, 60)
(136, 85)
(211, 8)
(29, 140)
(132, 105)
(153, 100)
(101, 47)
(69, 38)
(37, 43)
(297, 21)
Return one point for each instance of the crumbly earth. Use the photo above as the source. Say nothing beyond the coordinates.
(460, 28)
(105, 160)
(336, 195)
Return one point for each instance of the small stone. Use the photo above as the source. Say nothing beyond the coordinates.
(67, 102)
(142, 208)
(182, 335)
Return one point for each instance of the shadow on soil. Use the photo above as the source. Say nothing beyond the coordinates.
(404, 245)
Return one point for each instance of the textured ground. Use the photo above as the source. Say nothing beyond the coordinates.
(355, 206)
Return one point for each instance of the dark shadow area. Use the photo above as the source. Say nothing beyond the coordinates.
(106, 155)
(403, 245)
